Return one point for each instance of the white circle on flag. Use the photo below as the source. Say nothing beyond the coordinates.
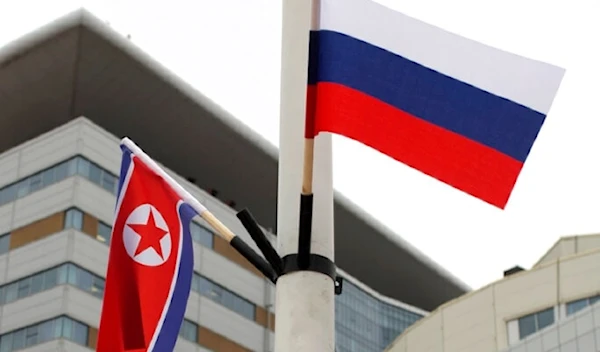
(146, 236)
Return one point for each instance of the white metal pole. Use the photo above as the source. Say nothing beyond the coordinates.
(304, 305)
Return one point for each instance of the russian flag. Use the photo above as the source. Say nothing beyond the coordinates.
(462, 112)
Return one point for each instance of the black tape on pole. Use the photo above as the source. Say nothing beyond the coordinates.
(254, 259)
(305, 231)
(261, 240)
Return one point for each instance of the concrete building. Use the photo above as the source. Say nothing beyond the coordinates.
(550, 308)
(68, 92)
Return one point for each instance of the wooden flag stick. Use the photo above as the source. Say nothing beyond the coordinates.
(221, 230)
(307, 172)
(240, 246)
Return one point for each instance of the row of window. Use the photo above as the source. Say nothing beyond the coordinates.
(365, 323)
(535, 322)
(74, 275)
(94, 173)
(576, 306)
(61, 327)
(70, 329)
(67, 273)
(223, 296)
(75, 166)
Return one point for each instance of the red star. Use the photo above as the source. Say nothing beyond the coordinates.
(150, 235)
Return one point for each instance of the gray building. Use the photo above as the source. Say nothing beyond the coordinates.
(552, 307)
(68, 92)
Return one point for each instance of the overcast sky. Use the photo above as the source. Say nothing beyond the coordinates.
(230, 51)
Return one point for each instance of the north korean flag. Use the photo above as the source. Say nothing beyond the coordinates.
(150, 264)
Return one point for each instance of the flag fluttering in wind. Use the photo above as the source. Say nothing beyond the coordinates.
(462, 112)
(150, 264)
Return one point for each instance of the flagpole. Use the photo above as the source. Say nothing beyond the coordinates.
(305, 320)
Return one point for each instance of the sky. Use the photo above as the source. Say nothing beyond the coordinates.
(230, 51)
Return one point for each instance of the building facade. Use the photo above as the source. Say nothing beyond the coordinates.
(551, 307)
(57, 197)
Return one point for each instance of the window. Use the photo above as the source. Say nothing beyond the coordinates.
(77, 165)
(95, 174)
(37, 181)
(44, 332)
(83, 167)
(189, 331)
(104, 231)
(202, 235)
(532, 323)
(45, 280)
(367, 324)
(576, 306)
(4, 243)
(109, 182)
(223, 296)
(74, 219)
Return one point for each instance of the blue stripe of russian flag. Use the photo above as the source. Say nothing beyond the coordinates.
(496, 122)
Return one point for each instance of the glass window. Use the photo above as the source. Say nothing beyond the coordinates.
(6, 343)
(18, 339)
(532, 323)
(545, 318)
(37, 283)
(61, 172)
(46, 331)
(95, 174)
(109, 182)
(6, 196)
(56, 173)
(224, 297)
(104, 232)
(43, 332)
(189, 331)
(576, 306)
(84, 280)
(83, 167)
(366, 324)
(79, 332)
(35, 182)
(45, 280)
(23, 188)
(48, 177)
(4, 243)
(201, 235)
(31, 336)
(74, 219)
(23, 288)
(72, 274)
(67, 327)
(61, 274)
(97, 288)
(72, 166)
(11, 292)
(50, 279)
